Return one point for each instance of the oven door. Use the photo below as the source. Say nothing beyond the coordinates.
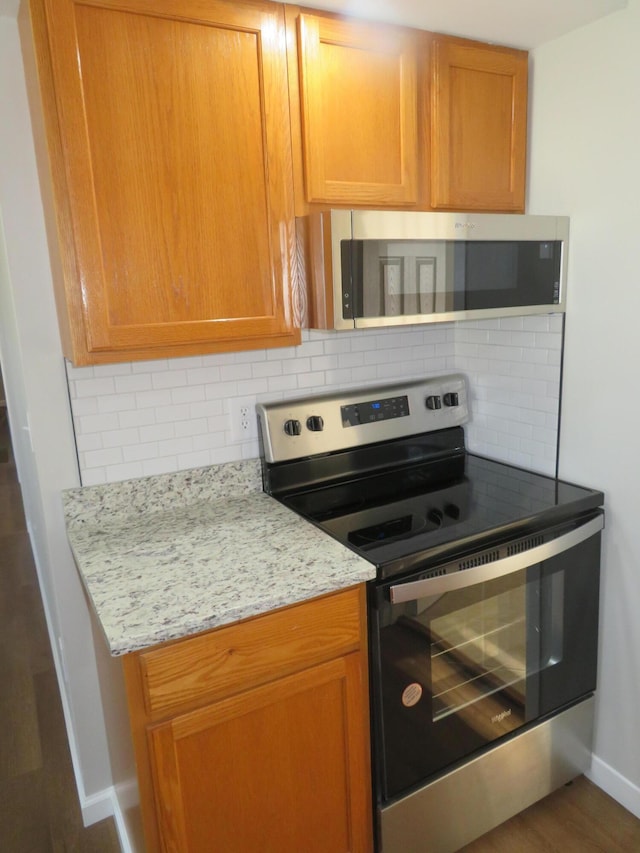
(463, 659)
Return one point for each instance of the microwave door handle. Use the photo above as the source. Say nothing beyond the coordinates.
(414, 590)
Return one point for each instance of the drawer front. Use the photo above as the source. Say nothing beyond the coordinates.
(241, 656)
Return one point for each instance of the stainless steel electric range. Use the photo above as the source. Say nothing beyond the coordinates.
(483, 618)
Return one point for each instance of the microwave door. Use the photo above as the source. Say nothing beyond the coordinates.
(407, 280)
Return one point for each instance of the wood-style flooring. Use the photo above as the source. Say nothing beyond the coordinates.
(578, 818)
(39, 809)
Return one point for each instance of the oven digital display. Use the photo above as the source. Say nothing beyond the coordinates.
(374, 410)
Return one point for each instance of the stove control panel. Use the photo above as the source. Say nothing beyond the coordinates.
(371, 411)
(294, 429)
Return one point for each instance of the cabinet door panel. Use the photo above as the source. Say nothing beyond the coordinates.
(359, 112)
(178, 164)
(479, 125)
(280, 769)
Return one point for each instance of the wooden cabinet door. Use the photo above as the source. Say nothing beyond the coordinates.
(175, 148)
(358, 86)
(479, 126)
(282, 768)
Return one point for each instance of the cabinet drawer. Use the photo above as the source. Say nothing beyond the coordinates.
(241, 656)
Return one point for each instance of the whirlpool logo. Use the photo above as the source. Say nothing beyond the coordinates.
(467, 225)
(498, 718)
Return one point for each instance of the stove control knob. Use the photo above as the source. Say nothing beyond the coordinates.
(435, 516)
(315, 423)
(452, 511)
(450, 399)
(433, 402)
(292, 427)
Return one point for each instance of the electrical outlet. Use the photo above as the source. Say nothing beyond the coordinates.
(244, 424)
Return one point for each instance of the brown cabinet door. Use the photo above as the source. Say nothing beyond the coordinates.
(174, 127)
(479, 126)
(282, 768)
(358, 88)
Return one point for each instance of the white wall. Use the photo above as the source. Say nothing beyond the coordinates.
(41, 425)
(585, 162)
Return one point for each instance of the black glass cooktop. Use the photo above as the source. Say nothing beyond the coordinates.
(414, 516)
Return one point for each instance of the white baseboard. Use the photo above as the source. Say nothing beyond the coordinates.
(615, 784)
(121, 826)
(97, 806)
(106, 804)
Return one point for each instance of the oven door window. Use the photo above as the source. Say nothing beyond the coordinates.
(460, 670)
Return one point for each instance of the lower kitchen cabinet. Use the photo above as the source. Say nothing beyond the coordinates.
(255, 736)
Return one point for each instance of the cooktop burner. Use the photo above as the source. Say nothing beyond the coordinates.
(416, 497)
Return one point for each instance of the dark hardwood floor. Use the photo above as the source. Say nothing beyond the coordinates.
(39, 810)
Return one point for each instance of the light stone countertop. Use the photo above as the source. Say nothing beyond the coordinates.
(173, 555)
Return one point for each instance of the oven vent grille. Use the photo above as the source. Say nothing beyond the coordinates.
(524, 545)
(479, 560)
(436, 573)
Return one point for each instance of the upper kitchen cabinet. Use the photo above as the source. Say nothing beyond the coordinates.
(358, 110)
(168, 131)
(479, 125)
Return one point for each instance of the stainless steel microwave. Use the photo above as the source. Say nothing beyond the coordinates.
(388, 268)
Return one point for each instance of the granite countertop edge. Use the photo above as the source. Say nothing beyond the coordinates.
(166, 557)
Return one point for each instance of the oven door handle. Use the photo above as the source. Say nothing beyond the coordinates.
(414, 590)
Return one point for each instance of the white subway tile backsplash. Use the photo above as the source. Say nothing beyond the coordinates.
(120, 369)
(234, 372)
(170, 379)
(251, 356)
(150, 366)
(92, 387)
(278, 384)
(206, 409)
(156, 432)
(251, 387)
(97, 476)
(190, 394)
(337, 344)
(152, 399)
(115, 402)
(120, 437)
(151, 467)
(196, 459)
(136, 417)
(266, 368)
(89, 442)
(197, 426)
(140, 452)
(96, 423)
(324, 362)
(170, 414)
(203, 375)
(98, 458)
(84, 405)
(134, 382)
(154, 417)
